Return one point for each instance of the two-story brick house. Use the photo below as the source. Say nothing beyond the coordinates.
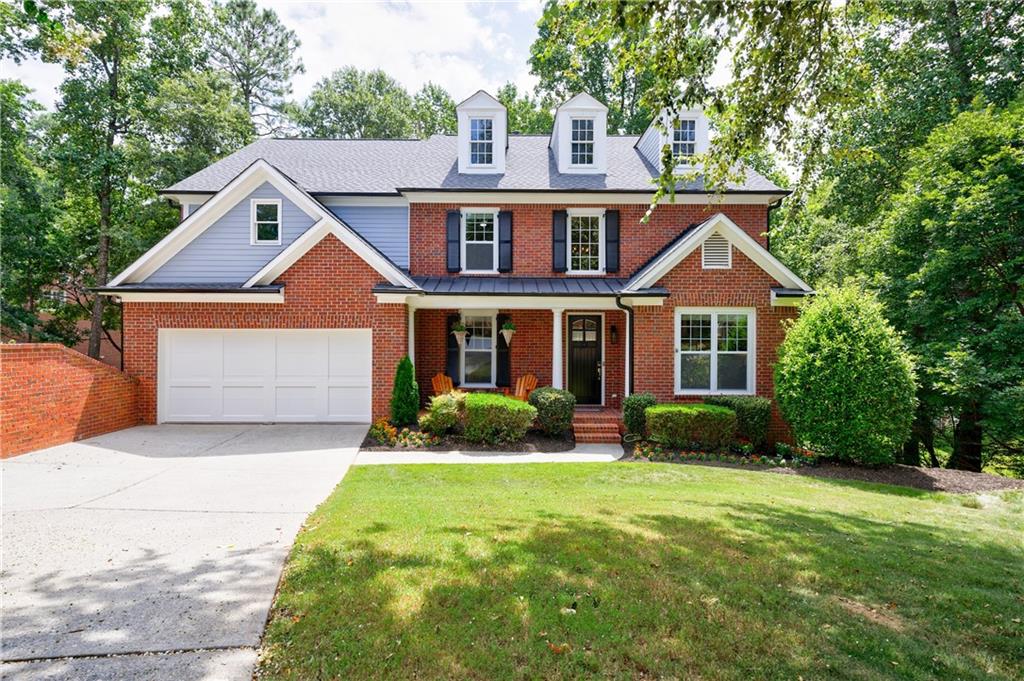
(304, 269)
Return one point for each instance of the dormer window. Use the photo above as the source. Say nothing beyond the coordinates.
(265, 222)
(481, 141)
(684, 139)
(582, 142)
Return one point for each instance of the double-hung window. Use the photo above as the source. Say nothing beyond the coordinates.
(481, 141)
(684, 139)
(265, 221)
(714, 351)
(479, 240)
(585, 242)
(478, 350)
(582, 142)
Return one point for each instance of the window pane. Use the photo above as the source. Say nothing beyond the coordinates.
(479, 333)
(266, 231)
(732, 372)
(266, 212)
(732, 332)
(695, 332)
(585, 243)
(684, 137)
(481, 136)
(695, 372)
(582, 141)
(479, 257)
(480, 227)
(478, 367)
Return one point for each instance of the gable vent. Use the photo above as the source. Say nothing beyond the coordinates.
(716, 252)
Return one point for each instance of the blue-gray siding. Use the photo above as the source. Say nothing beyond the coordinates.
(386, 227)
(223, 254)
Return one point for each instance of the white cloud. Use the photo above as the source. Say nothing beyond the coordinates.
(461, 46)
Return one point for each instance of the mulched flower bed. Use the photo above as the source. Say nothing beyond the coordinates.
(929, 479)
(535, 441)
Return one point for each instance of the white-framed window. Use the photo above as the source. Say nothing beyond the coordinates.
(480, 240)
(684, 139)
(478, 359)
(266, 222)
(714, 351)
(582, 143)
(585, 241)
(481, 141)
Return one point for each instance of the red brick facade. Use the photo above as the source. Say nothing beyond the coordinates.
(531, 233)
(328, 288)
(50, 395)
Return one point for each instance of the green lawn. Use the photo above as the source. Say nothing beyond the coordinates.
(647, 571)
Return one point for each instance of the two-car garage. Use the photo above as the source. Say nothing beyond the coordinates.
(265, 375)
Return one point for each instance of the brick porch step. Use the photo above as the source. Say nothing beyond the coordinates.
(596, 427)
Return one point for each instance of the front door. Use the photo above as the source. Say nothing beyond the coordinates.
(585, 358)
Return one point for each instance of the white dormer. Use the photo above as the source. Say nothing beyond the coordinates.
(483, 135)
(579, 138)
(686, 132)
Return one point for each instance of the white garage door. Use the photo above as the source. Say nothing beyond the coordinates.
(265, 375)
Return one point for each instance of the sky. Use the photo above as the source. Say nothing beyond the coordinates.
(461, 46)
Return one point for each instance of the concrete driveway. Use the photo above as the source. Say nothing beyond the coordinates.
(158, 539)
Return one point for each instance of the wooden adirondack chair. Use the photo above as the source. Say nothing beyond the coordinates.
(442, 384)
(525, 385)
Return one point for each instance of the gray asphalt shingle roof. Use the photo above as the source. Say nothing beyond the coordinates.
(384, 166)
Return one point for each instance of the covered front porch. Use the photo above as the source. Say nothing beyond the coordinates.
(570, 333)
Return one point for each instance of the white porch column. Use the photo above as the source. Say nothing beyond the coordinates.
(411, 335)
(556, 349)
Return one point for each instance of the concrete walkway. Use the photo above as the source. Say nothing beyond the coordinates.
(581, 454)
(155, 552)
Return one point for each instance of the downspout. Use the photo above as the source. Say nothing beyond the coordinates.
(629, 343)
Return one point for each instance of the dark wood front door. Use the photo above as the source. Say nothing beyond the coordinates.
(585, 358)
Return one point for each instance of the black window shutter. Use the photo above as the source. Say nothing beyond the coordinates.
(558, 220)
(451, 365)
(503, 375)
(505, 241)
(611, 241)
(453, 227)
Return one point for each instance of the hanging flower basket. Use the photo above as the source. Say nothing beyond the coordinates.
(459, 331)
(508, 329)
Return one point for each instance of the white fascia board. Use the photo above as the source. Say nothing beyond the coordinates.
(184, 297)
(463, 302)
(594, 198)
(187, 199)
(736, 236)
(786, 301)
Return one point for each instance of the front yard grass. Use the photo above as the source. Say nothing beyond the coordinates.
(647, 571)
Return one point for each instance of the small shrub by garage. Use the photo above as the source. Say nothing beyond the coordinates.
(682, 425)
(497, 419)
(554, 409)
(633, 408)
(752, 416)
(445, 413)
(405, 396)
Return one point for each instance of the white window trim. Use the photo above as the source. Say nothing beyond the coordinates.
(751, 349)
(253, 241)
(493, 315)
(584, 212)
(471, 141)
(462, 240)
(728, 243)
(682, 161)
(593, 142)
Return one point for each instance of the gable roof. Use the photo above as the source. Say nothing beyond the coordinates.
(255, 174)
(687, 242)
(325, 167)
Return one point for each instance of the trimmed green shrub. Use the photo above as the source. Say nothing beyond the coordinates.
(752, 416)
(683, 425)
(633, 411)
(497, 419)
(445, 412)
(405, 396)
(844, 381)
(554, 409)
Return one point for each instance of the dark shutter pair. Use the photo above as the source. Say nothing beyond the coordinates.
(453, 233)
(559, 237)
(503, 372)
